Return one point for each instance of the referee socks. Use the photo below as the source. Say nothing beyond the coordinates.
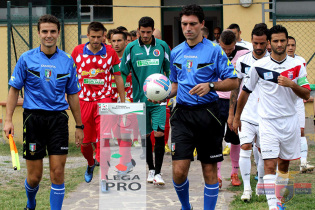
(30, 194)
(57, 193)
(182, 191)
(211, 196)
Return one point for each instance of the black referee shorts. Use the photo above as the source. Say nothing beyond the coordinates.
(196, 127)
(44, 130)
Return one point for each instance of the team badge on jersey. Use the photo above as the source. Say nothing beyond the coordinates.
(156, 53)
(103, 56)
(47, 74)
(246, 69)
(189, 65)
(290, 75)
(268, 75)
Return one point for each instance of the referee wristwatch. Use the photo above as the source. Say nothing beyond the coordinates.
(80, 126)
(211, 85)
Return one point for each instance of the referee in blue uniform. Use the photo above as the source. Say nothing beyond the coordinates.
(47, 74)
(196, 65)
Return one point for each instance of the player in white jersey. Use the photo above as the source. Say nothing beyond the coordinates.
(280, 80)
(305, 166)
(249, 116)
(239, 41)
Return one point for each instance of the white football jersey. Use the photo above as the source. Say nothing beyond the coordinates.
(245, 44)
(243, 65)
(274, 100)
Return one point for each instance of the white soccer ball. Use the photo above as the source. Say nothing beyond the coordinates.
(157, 87)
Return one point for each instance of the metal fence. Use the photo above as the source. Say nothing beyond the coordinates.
(302, 29)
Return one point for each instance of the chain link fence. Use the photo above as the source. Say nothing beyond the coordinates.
(23, 30)
(302, 29)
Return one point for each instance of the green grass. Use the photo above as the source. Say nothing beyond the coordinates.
(12, 193)
(303, 201)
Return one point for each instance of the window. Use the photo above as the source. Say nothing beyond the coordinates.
(40, 7)
(291, 8)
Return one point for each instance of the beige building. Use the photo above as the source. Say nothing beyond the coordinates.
(167, 20)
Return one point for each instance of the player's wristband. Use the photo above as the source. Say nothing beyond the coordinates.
(80, 126)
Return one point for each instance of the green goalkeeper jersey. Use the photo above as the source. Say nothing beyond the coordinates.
(142, 61)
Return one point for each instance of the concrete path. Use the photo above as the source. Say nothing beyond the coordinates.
(86, 196)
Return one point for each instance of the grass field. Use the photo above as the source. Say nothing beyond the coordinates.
(299, 202)
(12, 193)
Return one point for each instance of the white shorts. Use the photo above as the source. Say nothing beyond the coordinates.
(248, 134)
(300, 108)
(280, 138)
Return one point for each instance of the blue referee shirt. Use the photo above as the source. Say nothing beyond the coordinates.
(206, 62)
(45, 80)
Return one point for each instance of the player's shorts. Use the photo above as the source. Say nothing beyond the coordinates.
(91, 120)
(280, 138)
(249, 133)
(155, 118)
(196, 127)
(44, 130)
(300, 108)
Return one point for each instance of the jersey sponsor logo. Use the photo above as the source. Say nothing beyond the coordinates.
(48, 66)
(268, 76)
(94, 81)
(148, 62)
(92, 72)
(139, 54)
(215, 156)
(156, 53)
(190, 56)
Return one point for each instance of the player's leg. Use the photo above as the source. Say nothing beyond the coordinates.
(247, 136)
(182, 148)
(209, 151)
(57, 192)
(158, 116)
(167, 130)
(89, 137)
(31, 184)
(34, 150)
(57, 147)
(148, 146)
(270, 176)
(231, 137)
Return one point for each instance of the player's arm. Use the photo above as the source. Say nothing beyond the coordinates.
(166, 64)
(300, 91)
(11, 104)
(120, 83)
(125, 64)
(73, 100)
(233, 100)
(239, 109)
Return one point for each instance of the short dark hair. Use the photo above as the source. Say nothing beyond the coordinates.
(110, 32)
(260, 29)
(227, 37)
(96, 26)
(120, 32)
(146, 22)
(205, 30)
(193, 9)
(220, 30)
(48, 19)
(133, 33)
(128, 34)
(234, 26)
(277, 29)
(291, 37)
(121, 28)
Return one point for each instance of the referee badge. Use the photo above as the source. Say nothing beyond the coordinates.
(189, 65)
(32, 148)
(47, 74)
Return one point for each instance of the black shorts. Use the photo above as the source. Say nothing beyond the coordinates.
(229, 136)
(196, 127)
(44, 129)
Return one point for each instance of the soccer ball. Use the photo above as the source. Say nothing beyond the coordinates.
(157, 87)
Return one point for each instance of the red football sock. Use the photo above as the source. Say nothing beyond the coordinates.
(87, 151)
